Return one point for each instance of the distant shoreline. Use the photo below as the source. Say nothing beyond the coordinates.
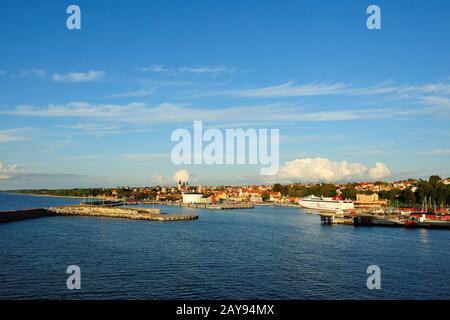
(46, 195)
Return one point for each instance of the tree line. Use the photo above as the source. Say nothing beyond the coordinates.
(433, 190)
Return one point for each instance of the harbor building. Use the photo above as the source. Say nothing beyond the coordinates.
(196, 198)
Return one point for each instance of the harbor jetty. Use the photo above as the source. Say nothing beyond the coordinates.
(95, 211)
(375, 220)
(16, 215)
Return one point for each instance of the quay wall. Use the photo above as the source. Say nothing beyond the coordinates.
(7, 216)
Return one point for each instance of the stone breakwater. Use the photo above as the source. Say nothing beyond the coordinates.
(95, 211)
(99, 211)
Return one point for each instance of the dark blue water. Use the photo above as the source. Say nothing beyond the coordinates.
(265, 253)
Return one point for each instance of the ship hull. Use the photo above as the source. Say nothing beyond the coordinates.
(326, 205)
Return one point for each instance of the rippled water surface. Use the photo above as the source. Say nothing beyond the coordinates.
(263, 253)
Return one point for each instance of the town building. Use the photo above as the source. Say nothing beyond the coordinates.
(369, 201)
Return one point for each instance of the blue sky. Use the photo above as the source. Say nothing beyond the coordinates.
(96, 106)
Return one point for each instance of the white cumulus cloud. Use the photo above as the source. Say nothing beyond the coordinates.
(181, 175)
(158, 178)
(7, 172)
(379, 171)
(326, 170)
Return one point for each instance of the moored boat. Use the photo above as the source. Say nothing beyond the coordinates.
(326, 203)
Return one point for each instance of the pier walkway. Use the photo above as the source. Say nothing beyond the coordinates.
(381, 221)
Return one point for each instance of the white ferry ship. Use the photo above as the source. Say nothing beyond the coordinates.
(327, 204)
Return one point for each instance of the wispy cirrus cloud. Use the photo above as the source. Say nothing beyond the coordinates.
(414, 89)
(80, 158)
(189, 69)
(146, 157)
(15, 172)
(435, 152)
(32, 72)
(13, 135)
(310, 137)
(438, 105)
(75, 77)
(184, 113)
(421, 100)
(92, 127)
(290, 89)
(206, 69)
(145, 92)
(437, 101)
(157, 69)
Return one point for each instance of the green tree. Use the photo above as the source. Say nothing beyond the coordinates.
(434, 180)
(349, 193)
(277, 187)
(407, 197)
(280, 188)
